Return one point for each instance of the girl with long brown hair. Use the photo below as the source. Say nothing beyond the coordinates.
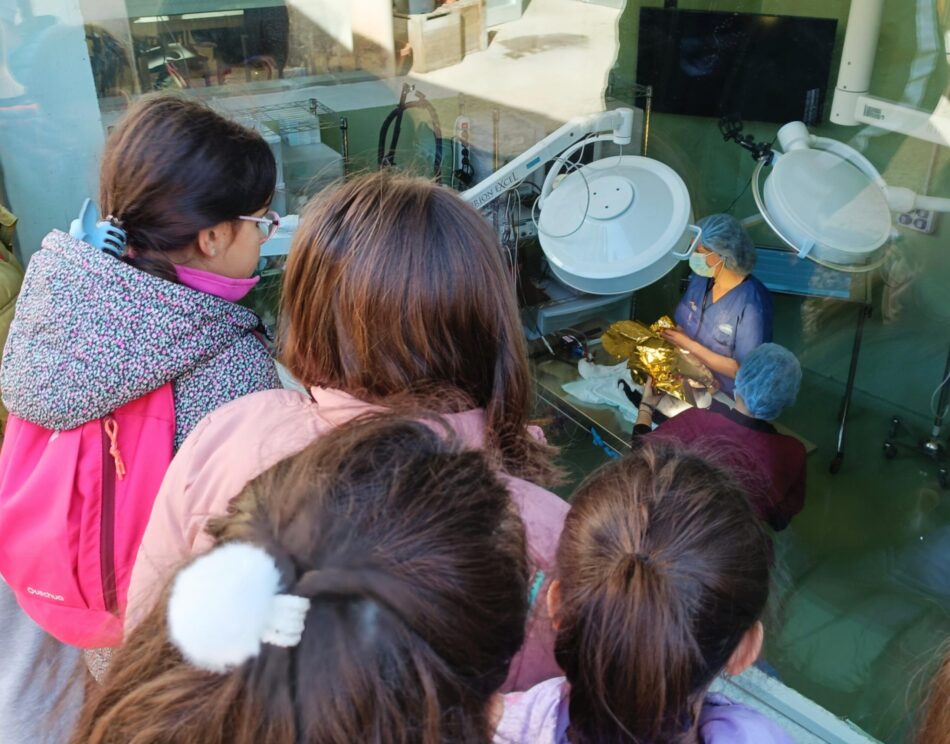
(395, 297)
(99, 327)
(371, 588)
(662, 577)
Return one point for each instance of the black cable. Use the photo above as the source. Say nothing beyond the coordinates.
(747, 184)
(528, 200)
(389, 159)
(736, 200)
(386, 157)
(423, 102)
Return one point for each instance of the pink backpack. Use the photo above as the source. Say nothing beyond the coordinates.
(73, 507)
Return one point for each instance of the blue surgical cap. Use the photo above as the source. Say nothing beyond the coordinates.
(768, 380)
(724, 236)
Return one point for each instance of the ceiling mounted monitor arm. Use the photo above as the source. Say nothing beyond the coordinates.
(616, 126)
(853, 104)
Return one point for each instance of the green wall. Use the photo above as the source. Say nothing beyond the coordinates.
(903, 354)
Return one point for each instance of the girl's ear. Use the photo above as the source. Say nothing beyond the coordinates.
(553, 599)
(747, 651)
(213, 239)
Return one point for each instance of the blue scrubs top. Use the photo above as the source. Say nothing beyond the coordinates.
(740, 321)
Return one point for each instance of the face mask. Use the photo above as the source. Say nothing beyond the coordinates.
(697, 262)
(225, 287)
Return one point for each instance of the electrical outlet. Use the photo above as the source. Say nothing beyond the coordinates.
(921, 220)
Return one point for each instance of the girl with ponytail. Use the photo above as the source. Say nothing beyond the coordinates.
(662, 577)
(187, 193)
(372, 588)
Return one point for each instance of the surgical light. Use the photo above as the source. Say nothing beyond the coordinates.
(609, 227)
(828, 203)
(822, 197)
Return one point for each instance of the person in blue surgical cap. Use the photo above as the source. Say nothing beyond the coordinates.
(725, 312)
(770, 465)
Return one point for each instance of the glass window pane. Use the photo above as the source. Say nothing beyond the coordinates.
(846, 215)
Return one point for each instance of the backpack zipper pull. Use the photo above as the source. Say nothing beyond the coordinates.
(112, 431)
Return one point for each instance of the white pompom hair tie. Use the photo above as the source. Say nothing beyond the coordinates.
(228, 602)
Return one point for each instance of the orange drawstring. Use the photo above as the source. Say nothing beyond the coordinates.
(112, 431)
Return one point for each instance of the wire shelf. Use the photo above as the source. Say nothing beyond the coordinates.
(293, 117)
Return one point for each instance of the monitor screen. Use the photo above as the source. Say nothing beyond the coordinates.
(753, 67)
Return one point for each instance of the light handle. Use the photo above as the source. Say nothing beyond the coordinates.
(692, 246)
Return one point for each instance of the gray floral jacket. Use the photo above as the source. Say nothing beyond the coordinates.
(92, 333)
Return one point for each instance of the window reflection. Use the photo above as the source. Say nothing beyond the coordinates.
(497, 91)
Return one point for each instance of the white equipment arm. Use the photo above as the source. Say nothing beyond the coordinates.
(853, 104)
(904, 200)
(619, 121)
(795, 136)
(857, 59)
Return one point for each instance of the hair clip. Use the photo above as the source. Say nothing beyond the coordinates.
(105, 234)
(226, 603)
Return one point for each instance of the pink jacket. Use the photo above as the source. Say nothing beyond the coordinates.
(241, 440)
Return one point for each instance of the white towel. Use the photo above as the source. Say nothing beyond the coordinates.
(601, 384)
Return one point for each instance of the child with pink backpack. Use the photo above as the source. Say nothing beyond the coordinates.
(126, 334)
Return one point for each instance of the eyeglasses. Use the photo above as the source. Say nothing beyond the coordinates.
(267, 224)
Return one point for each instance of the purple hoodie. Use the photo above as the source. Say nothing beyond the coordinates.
(92, 333)
(540, 716)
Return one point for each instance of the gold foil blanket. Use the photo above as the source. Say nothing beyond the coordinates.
(648, 353)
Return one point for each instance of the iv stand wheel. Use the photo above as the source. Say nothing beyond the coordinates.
(890, 451)
(943, 478)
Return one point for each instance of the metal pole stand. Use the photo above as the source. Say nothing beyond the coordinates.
(864, 312)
